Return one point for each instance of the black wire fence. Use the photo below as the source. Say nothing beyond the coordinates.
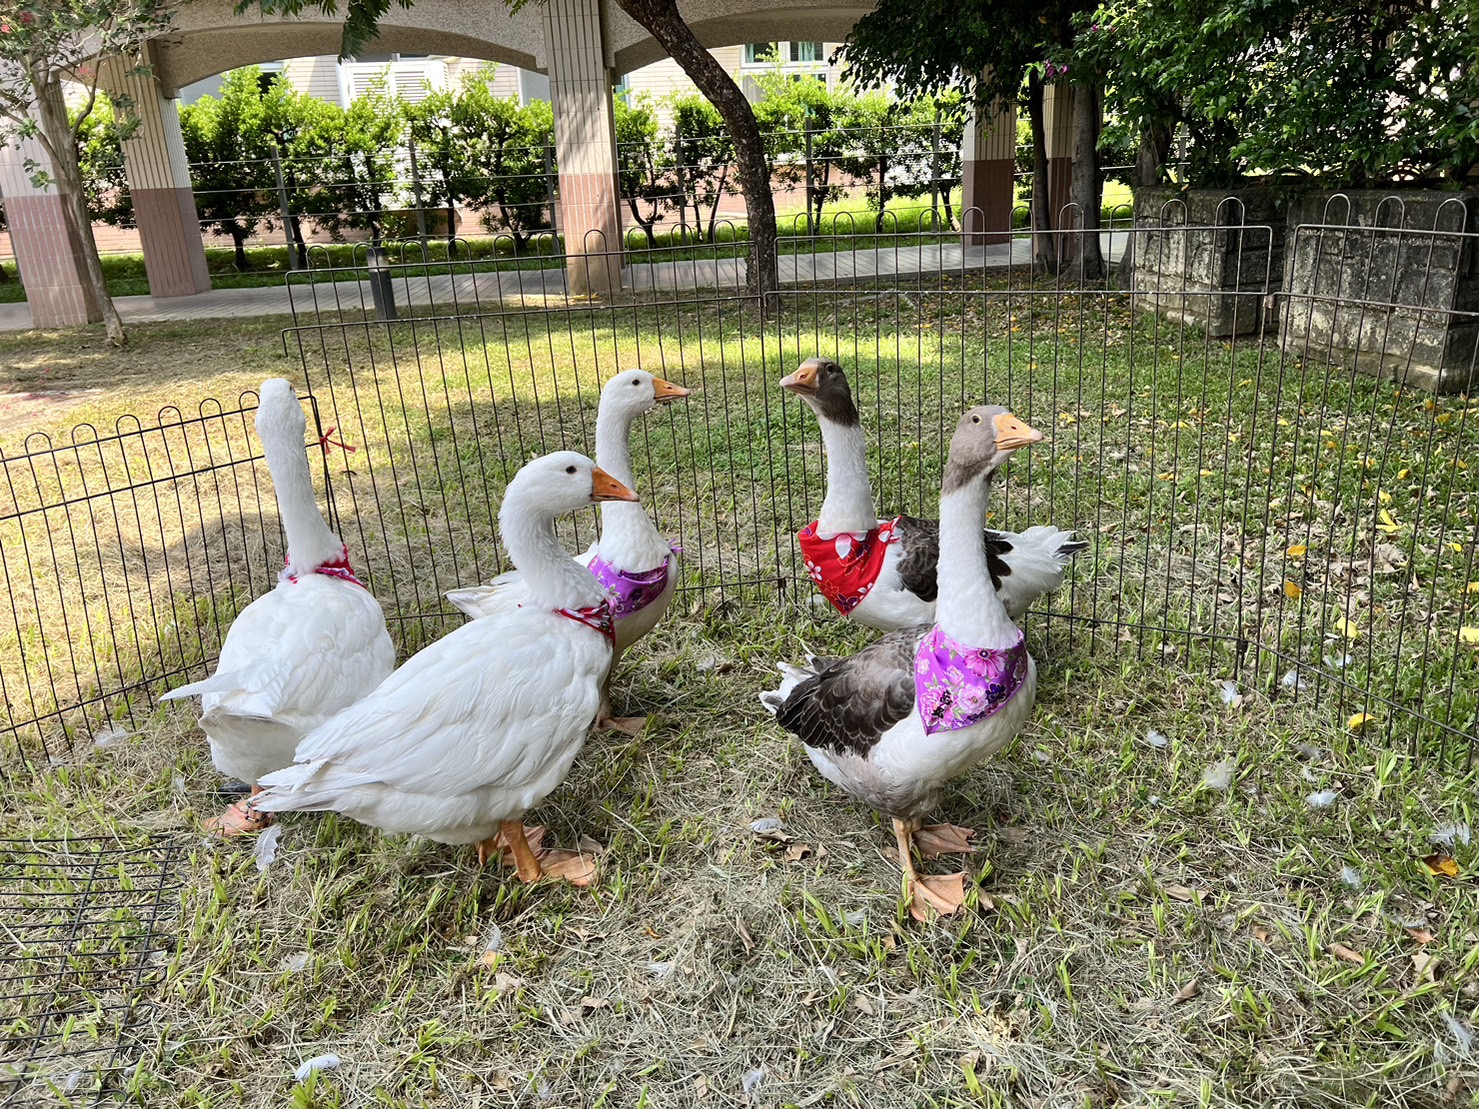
(88, 923)
(1265, 503)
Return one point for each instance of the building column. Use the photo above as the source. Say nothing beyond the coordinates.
(159, 184)
(988, 167)
(585, 145)
(1057, 108)
(51, 265)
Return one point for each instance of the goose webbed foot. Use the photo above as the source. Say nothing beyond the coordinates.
(240, 818)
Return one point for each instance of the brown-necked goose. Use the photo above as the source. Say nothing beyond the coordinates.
(881, 573)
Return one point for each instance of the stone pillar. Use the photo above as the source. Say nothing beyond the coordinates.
(585, 145)
(988, 166)
(159, 183)
(50, 263)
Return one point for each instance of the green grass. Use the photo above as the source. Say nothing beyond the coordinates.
(1111, 877)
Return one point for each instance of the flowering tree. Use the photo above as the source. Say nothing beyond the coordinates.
(44, 43)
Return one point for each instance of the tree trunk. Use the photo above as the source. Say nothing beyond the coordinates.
(1086, 187)
(238, 243)
(1044, 248)
(663, 21)
(61, 144)
(1154, 153)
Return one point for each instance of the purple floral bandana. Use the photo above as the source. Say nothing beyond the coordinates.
(631, 593)
(956, 686)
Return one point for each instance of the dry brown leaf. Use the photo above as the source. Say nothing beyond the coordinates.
(744, 934)
(1187, 992)
(797, 851)
(1444, 866)
(650, 932)
(488, 958)
(1349, 954)
(1421, 935)
(1260, 933)
(1178, 892)
(595, 1003)
(506, 983)
(501, 1081)
(1423, 966)
(700, 1087)
(863, 1005)
(1015, 836)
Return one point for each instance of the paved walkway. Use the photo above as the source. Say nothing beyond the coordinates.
(311, 293)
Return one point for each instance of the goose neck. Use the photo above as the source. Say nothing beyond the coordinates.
(311, 542)
(554, 579)
(848, 504)
(969, 609)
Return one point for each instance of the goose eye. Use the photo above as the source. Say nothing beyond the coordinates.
(975, 419)
(570, 469)
(636, 382)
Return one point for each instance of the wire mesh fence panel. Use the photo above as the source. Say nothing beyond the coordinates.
(1259, 508)
(85, 927)
(124, 554)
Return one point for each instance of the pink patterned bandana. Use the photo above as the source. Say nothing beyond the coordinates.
(845, 566)
(597, 618)
(956, 686)
(631, 593)
(334, 568)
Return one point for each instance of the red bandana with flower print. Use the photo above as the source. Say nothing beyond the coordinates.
(597, 618)
(845, 566)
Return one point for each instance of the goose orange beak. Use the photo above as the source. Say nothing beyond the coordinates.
(804, 380)
(604, 487)
(666, 392)
(1012, 433)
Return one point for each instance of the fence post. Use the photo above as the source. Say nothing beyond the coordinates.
(282, 206)
(416, 196)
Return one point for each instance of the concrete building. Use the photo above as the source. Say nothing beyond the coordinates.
(577, 49)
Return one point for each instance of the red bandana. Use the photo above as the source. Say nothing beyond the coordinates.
(845, 567)
(597, 617)
(334, 568)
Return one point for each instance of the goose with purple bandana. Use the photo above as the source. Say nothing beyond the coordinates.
(891, 724)
(632, 560)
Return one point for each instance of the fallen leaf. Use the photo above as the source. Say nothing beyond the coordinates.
(1348, 628)
(1469, 636)
(863, 1005)
(797, 851)
(1421, 935)
(1387, 523)
(1473, 587)
(506, 983)
(1423, 966)
(590, 1003)
(1015, 836)
(1297, 550)
(1350, 955)
(1292, 591)
(1187, 992)
(700, 1087)
(1359, 723)
(744, 934)
(1260, 933)
(1444, 866)
(650, 932)
(1179, 892)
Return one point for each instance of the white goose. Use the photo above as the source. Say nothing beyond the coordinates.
(881, 573)
(479, 727)
(297, 655)
(632, 560)
(893, 723)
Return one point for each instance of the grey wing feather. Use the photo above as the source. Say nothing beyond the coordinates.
(848, 704)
